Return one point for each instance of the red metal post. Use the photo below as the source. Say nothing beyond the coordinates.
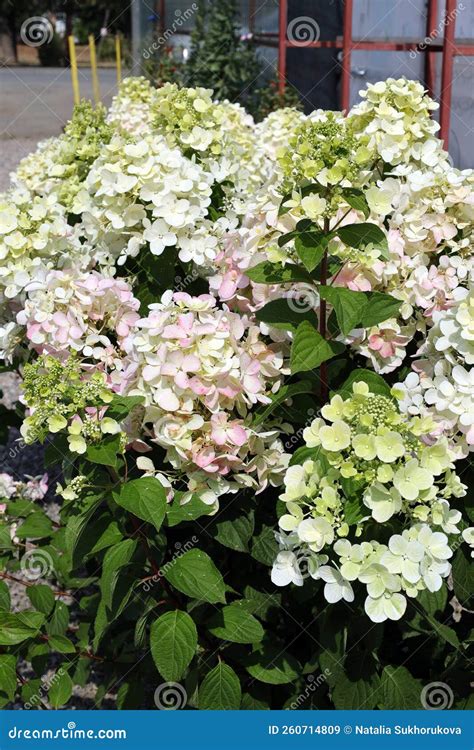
(251, 16)
(431, 33)
(282, 24)
(346, 55)
(447, 71)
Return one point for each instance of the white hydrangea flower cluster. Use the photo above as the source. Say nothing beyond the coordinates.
(201, 371)
(371, 464)
(396, 115)
(130, 109)
(442, 384)
(274, 130)
(146, 192)
(33, 233)
(221, 135)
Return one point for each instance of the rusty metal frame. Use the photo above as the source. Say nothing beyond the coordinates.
(448, 49)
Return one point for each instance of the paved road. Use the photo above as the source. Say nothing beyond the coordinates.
(36, 102)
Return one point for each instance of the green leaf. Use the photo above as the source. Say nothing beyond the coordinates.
(61, 688)
(354, 510)
(61, 644)
(310, 248)
(280, 313)
(303, 453)
(145, 498)
(4, 597)
(380, 307)
(233, 623)
(282, 395)
(220, 690)
(261, 603)
(332, 639)
(235, 531)
(31, 693)
(273, 667)
(42, 598)
(355, 198)
(81, 535)
(121, 406)
(275, 273)
(304, 225)
(399, 690)
(36, 526)
(309, 349)
(105, 453)
(433, 601)
(375, 382)
(443, 631)
(348, 305)
(264, 546)
(59, 620)
(360, 235)
(249, 703)
(463, 576)
(8, 678)
(357, 687)
(195, 575)
(114, 597)
(173, 642)
(190, 511)
(16, 628)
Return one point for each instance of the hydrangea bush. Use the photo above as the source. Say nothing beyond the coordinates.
(248, 351)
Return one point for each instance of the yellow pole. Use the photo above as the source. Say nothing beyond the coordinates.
(74, 78)
(95, 77)
(118, 58)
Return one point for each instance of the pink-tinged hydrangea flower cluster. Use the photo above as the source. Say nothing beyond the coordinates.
(202, 370)
(423, 204)
(81, 312)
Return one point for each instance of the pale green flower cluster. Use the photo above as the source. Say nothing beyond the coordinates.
(59, 397)
(189, 118)
(65, 161)
(370, 465)
(324, 148)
